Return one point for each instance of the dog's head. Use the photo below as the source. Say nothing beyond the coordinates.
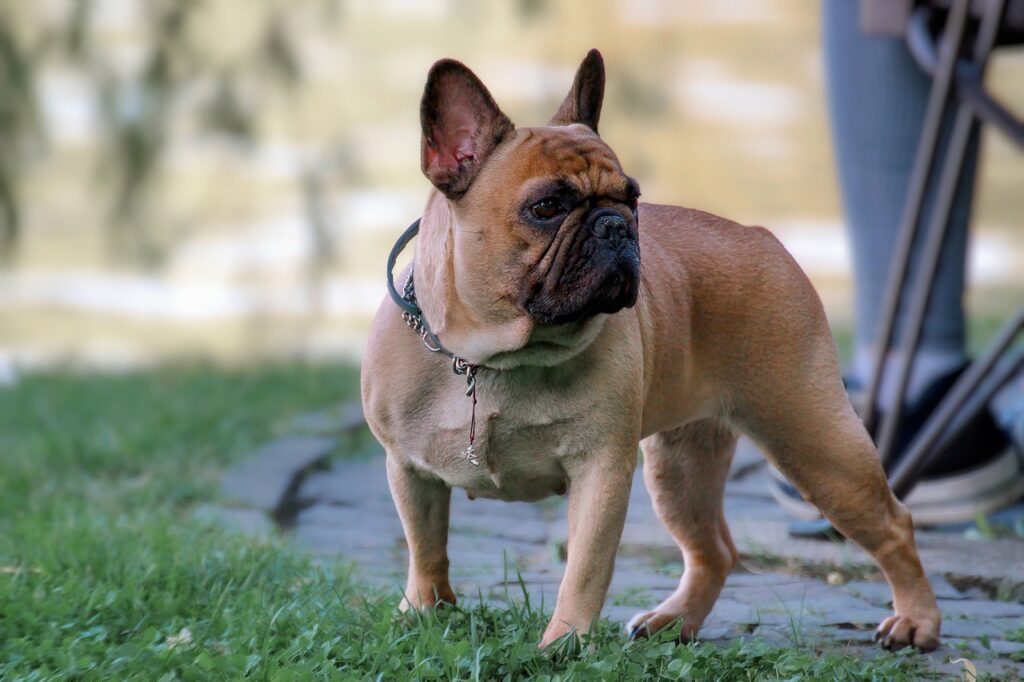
(543, 221)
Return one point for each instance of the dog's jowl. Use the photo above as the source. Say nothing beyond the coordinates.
(557, 323)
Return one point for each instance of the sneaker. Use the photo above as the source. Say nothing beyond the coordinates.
(978, 472)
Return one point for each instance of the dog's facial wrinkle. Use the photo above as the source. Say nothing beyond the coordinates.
(548, 280)
(585, 276)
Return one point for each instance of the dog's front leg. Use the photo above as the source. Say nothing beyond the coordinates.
(423, 505)
(598, 497)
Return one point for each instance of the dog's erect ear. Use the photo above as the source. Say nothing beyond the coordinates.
(583, 103)
(461, 127)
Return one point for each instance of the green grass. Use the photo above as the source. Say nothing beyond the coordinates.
(105, 573)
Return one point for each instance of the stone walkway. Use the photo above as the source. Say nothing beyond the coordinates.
(790, 592)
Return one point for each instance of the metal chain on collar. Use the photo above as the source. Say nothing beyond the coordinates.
(415, 320)
(460, 366)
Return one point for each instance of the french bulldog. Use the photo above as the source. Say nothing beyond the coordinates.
(589, 323)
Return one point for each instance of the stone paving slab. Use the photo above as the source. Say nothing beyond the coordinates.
(497, 549)
(338, 541)
(978, 608)
(264, 481)
(355, 522)
(526, 530)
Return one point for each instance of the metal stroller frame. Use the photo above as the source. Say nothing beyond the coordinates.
(958, 83)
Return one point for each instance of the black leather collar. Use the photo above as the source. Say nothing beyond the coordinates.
(413, 316)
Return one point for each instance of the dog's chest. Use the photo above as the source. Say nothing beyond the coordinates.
(519, 449)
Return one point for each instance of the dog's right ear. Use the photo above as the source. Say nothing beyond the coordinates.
(461, 127)
(583, 103)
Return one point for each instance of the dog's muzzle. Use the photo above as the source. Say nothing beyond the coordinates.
(599, 274)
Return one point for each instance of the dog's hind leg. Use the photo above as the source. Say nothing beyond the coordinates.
(685, 471)
(797, 409)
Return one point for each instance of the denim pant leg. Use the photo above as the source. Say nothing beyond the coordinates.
(877, 98)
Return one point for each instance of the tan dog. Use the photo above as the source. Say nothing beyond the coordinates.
(528, 267)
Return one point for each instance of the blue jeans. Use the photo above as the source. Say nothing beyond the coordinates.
(877, 97)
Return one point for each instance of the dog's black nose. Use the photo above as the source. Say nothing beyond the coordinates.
(609, 224)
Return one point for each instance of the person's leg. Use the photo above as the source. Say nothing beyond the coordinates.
(877, 97)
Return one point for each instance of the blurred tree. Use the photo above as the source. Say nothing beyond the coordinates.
(19, 126)
(136, 106)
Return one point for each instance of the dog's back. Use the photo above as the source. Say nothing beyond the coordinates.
(744, 304)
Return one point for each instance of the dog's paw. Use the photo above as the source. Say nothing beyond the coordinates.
(438, 598)
(559, 639)
(647, 623)
(896, 632)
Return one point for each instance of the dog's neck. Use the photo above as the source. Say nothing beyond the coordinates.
(467, 315)
(453, 306)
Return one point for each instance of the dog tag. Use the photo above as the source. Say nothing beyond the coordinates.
(470, 454)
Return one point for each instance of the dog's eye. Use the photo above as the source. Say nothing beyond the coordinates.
(633, 202)
(546, 208)
(632, 196)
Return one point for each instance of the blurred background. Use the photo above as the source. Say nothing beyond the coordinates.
(223, 178)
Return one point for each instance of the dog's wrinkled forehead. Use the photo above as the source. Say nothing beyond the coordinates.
(572, 152)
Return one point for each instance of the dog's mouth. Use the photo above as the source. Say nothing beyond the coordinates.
(595, 270)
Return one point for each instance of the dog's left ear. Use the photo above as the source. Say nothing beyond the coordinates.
(461, 124)
(583, 103)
